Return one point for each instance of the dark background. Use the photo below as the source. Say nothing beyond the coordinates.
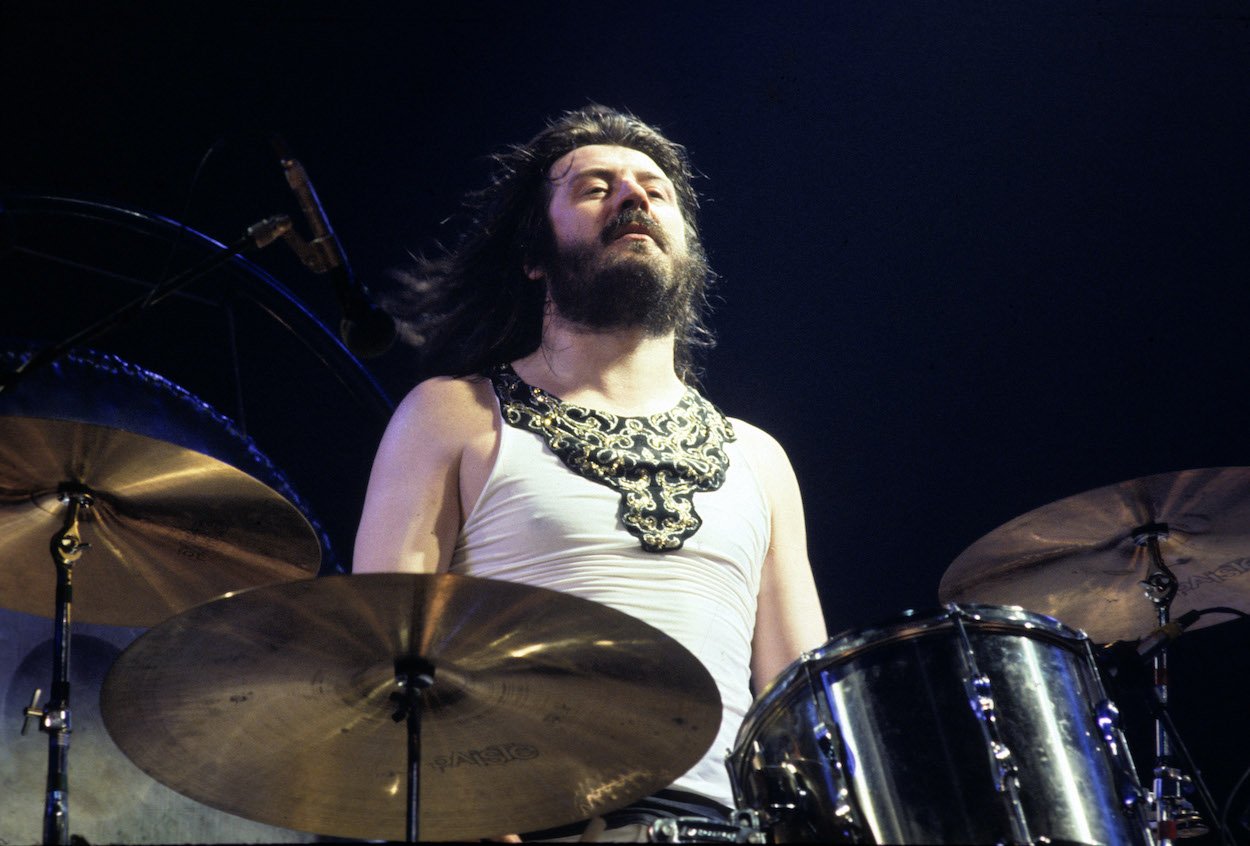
(976, 257)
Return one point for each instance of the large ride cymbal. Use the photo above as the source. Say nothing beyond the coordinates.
(169, 527)
(1077, 560)
(546, 709)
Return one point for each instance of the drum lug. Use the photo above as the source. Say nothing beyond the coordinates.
(1002, 763)
(831, 747)
(783, 781)
(1107, 716)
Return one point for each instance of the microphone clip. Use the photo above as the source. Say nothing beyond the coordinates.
(323, 253)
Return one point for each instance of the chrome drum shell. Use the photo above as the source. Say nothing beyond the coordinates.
(976, 724)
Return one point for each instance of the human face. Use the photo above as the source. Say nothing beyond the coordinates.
(595, 188)
(621, 257)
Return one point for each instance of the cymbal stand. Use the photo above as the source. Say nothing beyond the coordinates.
(412, 675)
(54, 717)
(1175, 816)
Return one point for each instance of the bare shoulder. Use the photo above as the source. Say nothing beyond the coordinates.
(772, 467)
(441, 433)
(754, 438)
(466, 397)
(446, 409)
(767, 456)
(451, 422)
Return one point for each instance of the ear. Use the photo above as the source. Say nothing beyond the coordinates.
(534, 272)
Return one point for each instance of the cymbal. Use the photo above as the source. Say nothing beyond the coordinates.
(169, 527)
(1076, 559)
(546, 709)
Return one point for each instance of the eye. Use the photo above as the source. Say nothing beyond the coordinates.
(594, 190)
(656, 194)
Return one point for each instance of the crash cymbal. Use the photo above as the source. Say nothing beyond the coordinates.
(274, 704)
(1076, 559)
(168, 528)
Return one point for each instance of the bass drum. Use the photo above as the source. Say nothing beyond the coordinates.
(978, 724)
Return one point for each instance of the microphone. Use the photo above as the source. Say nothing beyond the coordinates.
(366, 330)
(1162, 636)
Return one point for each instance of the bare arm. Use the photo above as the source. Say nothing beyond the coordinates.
(432, 454)
(788, 620)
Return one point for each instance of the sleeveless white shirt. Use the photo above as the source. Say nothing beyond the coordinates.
(539, 523)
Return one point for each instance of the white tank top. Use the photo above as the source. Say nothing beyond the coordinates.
(539, 523)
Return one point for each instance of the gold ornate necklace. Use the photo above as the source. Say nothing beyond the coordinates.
(657, 462)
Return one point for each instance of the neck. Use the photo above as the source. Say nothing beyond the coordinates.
(624, 371)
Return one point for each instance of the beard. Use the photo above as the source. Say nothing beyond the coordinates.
(603, 288)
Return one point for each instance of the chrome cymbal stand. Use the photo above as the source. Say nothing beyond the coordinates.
(1174, 815)
(54, 717)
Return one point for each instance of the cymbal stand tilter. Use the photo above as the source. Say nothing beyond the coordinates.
(54, 717)
(1175, 816)
(412, 675)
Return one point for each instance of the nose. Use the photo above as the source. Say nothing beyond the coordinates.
(632, 196)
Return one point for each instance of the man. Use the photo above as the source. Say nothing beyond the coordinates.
(567, 447)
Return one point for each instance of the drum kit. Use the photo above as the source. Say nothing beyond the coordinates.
(443, 707)
(446, 707)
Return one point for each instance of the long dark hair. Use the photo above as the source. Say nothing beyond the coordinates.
(474, 307)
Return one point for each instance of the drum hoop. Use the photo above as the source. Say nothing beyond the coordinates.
(908, 625)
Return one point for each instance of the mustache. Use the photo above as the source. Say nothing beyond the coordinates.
(638, 219)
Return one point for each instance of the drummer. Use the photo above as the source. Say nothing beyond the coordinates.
(564, 442)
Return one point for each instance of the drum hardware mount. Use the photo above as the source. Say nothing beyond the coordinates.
(745, 827)
(1174, 815)
(32, 711)
(55, 716)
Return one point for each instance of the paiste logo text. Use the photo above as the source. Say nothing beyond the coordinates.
(488, 756)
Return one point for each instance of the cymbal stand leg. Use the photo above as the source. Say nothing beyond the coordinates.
(1171, 808)
(412, 675)
(54, 717)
